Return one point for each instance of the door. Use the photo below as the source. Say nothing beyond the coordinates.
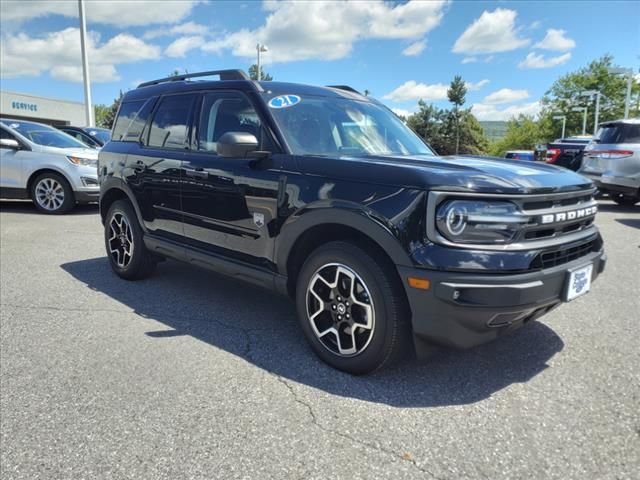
(11, 174)
(153, 165)
(229, 204)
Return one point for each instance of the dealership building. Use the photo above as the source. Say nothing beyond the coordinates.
(22, 106)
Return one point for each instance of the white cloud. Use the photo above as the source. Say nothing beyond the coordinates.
(59, 54)
(415, 48)
(471, 86)
(189, 28)
(492, 32)
(483, 111)
(536, 60)
(505, 95)
(402, 112)
(411, 90)
(107, 12)
(469, 60)
(555, 40)
(179, 47)
(328, 30)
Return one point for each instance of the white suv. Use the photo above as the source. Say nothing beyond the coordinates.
(46, 165)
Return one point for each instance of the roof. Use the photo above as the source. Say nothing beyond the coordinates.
(632, 121)
(269, 87)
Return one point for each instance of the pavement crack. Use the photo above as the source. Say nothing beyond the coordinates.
(378, 448)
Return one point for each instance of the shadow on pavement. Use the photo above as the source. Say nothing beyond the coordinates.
(262, 328)
(27, 206)
(629, 222)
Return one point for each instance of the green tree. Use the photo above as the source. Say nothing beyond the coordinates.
(565, 94)
(100, 113)
(523, 133)
(427, 122)
(456, 95)
(253, 73)
(108, 114)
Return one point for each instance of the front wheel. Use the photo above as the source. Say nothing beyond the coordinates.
(352, 309)
(128, 256)
(52, 194)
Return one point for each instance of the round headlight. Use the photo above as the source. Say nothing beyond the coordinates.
(456, 220)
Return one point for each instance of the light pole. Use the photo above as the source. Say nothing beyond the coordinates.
(564, 121)
(85, 64)
(591, 94)
(629, 73)
(260, 49)
(584, 117)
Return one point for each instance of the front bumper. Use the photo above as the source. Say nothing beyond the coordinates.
(463, 310)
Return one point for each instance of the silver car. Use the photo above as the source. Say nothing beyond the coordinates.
(612, 160)
(46, 165)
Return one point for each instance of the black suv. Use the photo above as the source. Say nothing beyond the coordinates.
(324, 195)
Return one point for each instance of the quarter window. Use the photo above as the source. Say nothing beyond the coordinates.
(171, 121)
(126, 114)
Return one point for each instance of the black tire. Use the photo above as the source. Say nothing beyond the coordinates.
(390, 337)
(125, 235)
(52, 194)
(625, 200)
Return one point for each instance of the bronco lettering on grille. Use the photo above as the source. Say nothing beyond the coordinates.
(570, 215)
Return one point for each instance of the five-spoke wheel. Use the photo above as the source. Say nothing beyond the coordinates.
(121, 240)
(352, 308)
(339, 309)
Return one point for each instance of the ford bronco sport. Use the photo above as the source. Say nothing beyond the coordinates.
(324, 194)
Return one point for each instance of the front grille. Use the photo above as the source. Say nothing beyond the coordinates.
(565, 255)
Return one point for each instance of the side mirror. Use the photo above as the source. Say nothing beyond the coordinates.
(236, 144)
(10, 143)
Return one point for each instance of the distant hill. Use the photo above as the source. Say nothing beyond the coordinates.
(494, 130)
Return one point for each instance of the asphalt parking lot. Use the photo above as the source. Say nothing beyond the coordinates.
(191, 375)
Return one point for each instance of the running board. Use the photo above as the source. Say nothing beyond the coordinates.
(217, 263)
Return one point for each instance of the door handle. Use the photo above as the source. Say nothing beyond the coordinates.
(196, 173)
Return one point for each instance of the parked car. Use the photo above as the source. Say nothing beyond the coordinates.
(93, 137)
(528, 155)
(323, 194)
(46, 165)
(567, 152)
(612, 160)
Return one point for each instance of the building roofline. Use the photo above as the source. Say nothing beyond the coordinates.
(10, 92)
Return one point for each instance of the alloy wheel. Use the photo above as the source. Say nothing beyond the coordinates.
(49, 194)
(121, 240)
(340, 310)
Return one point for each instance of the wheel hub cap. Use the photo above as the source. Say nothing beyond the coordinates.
(49, 194)
(339, 310)
(120, 241)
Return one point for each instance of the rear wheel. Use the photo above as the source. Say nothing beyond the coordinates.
(352, 309)
(52, 194)
(625, 200)
(128, 256)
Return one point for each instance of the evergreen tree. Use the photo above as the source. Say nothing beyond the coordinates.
(456, 95)
(253, 73)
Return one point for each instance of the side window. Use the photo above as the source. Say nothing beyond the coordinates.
(126, 114)
(137, 125)
(170, 123)
(222, 113)
(4, 135)
(632, 133)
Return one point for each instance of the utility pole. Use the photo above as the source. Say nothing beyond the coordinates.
(595, 121)
(259, 49)
(85, 65)
(629, 74)
(564, 122)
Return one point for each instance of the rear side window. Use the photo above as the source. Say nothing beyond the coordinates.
(136, 126)
(619, 133)
(170, 123)
(126, 114)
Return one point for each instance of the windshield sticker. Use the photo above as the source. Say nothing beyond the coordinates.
(284, 101)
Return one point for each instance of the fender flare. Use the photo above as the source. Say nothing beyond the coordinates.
(347, 214)
(114, 183)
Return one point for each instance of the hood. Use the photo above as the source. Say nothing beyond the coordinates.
(453, 173)
(79, 152)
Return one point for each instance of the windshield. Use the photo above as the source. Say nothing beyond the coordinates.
(45, 135)
(100, 133)
(618, 133)
(330, 126)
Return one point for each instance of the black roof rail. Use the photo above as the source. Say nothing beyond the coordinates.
(345, 87)
(223, 74)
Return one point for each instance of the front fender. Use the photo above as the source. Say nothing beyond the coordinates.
(114, 183)
(347, 214)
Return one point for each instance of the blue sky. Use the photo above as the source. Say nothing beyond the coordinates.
(508, 52)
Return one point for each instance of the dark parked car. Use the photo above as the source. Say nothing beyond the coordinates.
(93, 137)
(567, 152)
(324, 195)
